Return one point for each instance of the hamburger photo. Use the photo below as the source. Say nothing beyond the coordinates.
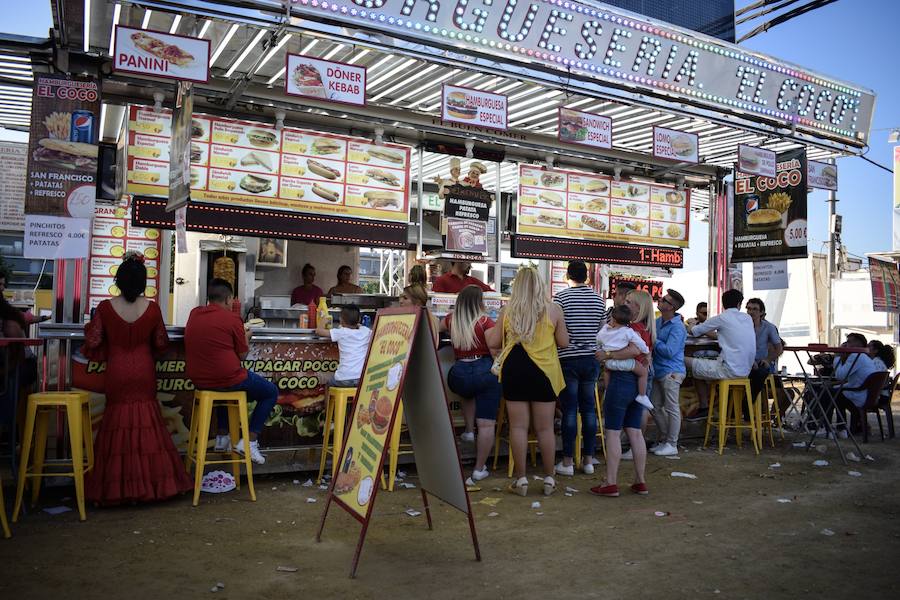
(304, 401)
(67, 155)
(196, 153)
(460, 107)
(381, 411)
(196, 129)
(261, 138)
(254, 184)
(571, 129)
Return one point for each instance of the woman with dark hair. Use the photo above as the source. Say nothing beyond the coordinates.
(343, 283)
(134, 457)
(881, 355)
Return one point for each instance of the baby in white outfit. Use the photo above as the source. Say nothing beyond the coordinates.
(617, 335)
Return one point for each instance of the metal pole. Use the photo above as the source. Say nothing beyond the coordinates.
(498, 229)
(419, 238)
(830, 272)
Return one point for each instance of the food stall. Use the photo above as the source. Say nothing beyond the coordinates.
(319, 128)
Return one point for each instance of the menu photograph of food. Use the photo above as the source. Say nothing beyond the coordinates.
(161, 54)
(586, 206)
(252, 164)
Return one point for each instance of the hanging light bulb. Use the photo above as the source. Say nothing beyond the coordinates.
(470, 148)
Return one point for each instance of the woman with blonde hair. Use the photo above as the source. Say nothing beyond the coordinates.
(415, 295)
(471, 376)
(531, 328)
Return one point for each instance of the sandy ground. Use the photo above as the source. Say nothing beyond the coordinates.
(742, 529)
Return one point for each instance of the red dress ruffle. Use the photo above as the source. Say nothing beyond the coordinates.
(135, 459)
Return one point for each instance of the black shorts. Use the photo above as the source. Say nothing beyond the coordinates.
(522, 380)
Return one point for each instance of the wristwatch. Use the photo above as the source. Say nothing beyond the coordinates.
(608, 355)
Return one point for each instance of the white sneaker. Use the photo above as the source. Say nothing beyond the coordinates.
(656, 446)
(255, 455)
(628, 455)
(588, 468)
(223, 443)
(842, 434)
(666, 449)
(562, 469)
(644, 401)
(479, 474)
(467, 436)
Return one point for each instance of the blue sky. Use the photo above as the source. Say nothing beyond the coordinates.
(852, 40)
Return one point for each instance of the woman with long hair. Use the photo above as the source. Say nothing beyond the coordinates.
(415, 295)
(135, 459)
(531, 328)
(471, 376)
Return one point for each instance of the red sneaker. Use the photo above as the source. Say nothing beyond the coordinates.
(640, 488)
(610, 491)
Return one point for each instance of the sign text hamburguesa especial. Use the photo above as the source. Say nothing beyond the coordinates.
(613, 46)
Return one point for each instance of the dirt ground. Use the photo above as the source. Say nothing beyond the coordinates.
(743, 528)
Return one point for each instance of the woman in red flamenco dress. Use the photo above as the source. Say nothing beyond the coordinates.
(135, 459)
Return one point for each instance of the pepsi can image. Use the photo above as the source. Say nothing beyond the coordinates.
(82, 129)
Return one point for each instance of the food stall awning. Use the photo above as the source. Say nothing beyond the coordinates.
(17, 79)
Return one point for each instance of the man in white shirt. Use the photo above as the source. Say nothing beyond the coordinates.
(737, 341)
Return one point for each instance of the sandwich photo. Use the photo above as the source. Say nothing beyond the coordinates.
(458, 106)
(635, 191)
(160, 49)
(596, 186)
(324, 192)
(67, 155)
(196, 153)
(549, 179)
(597, 206)
(255, 185)
(592, 223)
(635, 226)
(382, 199)
(322, 170)
(386, 155)
(326, 146)
(345, 481)
(749, 162)
(383, 176)
(253, 159)
(308, 80)
(196, 129)
(551, 219)
(683, 145)
(674, 197)
(571, 129)
(673, 231)
(551, 199)
(261, 138)
(764, 218)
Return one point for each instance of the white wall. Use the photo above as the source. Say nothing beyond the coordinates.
(275, 281)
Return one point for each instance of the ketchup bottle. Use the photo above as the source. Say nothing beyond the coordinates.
(311, 312)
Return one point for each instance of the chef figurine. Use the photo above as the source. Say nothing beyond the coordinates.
(476, 170)
(453, 180)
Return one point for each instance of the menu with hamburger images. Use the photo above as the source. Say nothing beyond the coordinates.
(112, 236)
(243, 163)
(586, 206)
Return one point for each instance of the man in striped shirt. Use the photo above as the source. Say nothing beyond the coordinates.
(585, 313)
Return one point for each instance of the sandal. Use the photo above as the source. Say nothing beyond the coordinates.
(549, 486)
(519, 487)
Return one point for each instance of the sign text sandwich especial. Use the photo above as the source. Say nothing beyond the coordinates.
(596, 45)
(672, 144)
(161, 54)
(328, 80)
(586, 129)
(474, 107)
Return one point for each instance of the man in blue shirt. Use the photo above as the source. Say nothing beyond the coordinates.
(668, 373)
(852, 369)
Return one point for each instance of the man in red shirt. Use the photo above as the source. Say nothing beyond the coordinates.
(215, 343)
(457, 278)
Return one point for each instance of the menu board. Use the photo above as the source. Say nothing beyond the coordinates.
(13, 172)
(112, 236)
(558, 276)
(592, 207)
(242, 163)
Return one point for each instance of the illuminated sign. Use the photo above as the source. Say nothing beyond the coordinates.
(609, 46)
(529, 246)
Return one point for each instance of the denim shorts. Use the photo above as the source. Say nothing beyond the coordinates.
(473, 379)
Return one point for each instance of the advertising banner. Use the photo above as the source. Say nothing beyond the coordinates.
(161, 54)
(299, 371)
(756, 161)
(180, 149)
(885, 278)
(467, 235)
(769, 220)
(672, 144)
(770, 275)
(327, 80)
(56, 237)
(585, 206)
(62, 148)
(822, 175)
(13, 173)
(473, 107)
(113, 235)
(896, 245)
(248, 164)
(586, 129)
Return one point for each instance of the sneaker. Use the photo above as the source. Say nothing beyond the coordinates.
(700, 415)
(640, 488)
(479, 474)
(562, 469)
(821, 432)
(656, 446)
(610, 491)
(588, 468)
(628, 455)
(549, 486)
(666, 449)
(519, 487)
(255, 455)
(223, 443)
(645, 402)
(842, 434)
(467, 436)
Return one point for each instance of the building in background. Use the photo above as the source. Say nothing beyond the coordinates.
(712, 17)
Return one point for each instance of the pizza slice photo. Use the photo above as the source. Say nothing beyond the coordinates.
(168, 52)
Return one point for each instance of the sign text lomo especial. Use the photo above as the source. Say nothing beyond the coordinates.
(611, 46)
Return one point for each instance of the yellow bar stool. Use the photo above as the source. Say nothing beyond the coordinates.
(769, 393)
(3, 522)
(600, 435)
(729, 394)
(335, 418)
(77, 406)
(198, 439)
(395, 449)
